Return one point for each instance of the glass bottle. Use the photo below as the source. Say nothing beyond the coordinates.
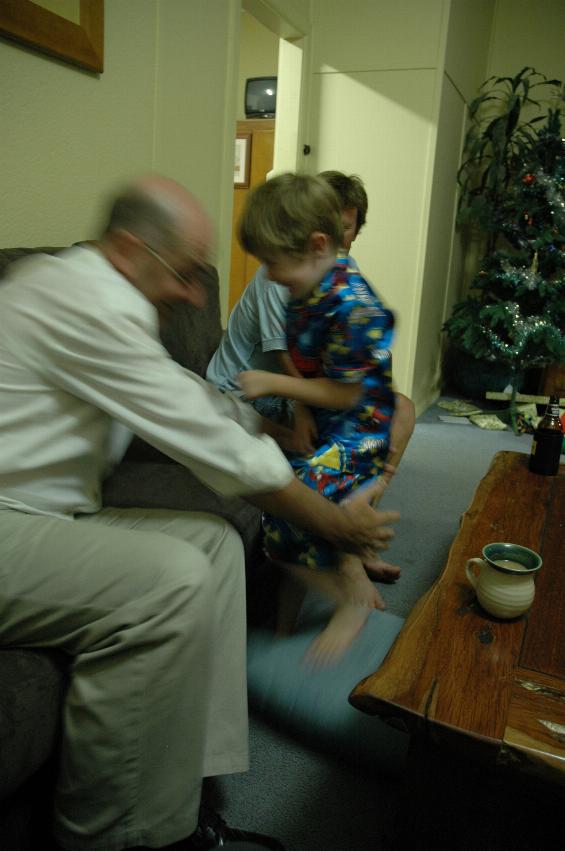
(548, 441)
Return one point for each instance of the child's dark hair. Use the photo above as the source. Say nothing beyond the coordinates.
(280, 216)
(350, 191)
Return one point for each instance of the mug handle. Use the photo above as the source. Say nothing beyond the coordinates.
(470, 572)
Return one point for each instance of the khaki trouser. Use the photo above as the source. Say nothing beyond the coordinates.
(150, 605)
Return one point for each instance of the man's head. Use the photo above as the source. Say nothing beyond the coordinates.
(292, 223)
(159, 237)
(354, 202)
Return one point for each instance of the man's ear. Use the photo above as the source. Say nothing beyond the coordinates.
(126, 250)
(126, 242)
(319, 243)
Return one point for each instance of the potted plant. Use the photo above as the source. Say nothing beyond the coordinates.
(512, 192)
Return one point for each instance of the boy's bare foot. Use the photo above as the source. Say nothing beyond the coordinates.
(348, 617)
(355, 586)
(344, 626)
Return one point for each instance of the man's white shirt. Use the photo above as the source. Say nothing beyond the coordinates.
(79, 349)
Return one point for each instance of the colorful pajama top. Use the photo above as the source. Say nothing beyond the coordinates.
(342, 332)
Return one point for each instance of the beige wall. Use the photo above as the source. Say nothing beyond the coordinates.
(373, 112)
(287, 18)
(528, 32)
(468, 43)
(258, 56)
(195, 103)
(439, 257)
(69, 9)
(386, 102)
(68, 136)
(165, 101)
(465, 60)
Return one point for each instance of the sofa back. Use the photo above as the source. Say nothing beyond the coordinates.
(190, 335)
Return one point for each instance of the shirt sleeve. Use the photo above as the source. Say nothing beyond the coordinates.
(113, 363)
(271, 305)
(359, 341)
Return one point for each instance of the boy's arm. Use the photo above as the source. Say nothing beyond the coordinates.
(287, 364)
(283, 435)
(319, 392)
(305, 431)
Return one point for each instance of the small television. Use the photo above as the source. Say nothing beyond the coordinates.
(260, 97)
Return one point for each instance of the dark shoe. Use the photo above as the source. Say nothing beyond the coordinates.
(213, 832)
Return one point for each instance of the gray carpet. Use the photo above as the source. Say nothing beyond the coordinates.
(313, 800)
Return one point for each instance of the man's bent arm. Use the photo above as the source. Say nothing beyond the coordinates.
(353, 526)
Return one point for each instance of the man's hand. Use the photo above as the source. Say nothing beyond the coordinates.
(370, 528)
(304, 430)
(256, 383)
(283, 435)
(352, 526)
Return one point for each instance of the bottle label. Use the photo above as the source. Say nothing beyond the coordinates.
(545, 452)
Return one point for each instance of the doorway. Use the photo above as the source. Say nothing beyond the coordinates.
(259, 135)
(267, 48)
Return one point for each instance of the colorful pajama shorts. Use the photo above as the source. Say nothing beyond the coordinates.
(329, 473)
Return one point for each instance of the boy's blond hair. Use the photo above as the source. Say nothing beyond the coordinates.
(280, 216)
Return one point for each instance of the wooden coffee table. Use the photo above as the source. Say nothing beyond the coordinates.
(493, 688)
(483, 697)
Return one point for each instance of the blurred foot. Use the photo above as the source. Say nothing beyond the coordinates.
(345, 624)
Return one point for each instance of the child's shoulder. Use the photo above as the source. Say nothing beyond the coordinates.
(261, 289)
(358, 305)
(356, 289)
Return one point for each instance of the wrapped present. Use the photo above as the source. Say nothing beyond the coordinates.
(489, 421)
(527, 418)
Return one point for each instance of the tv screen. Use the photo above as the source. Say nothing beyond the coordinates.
(260, 97)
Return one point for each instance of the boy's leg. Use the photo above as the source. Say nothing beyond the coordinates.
(348, 617)
(402, 427)
(136, 610)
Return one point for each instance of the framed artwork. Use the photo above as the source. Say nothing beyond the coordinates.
(242, 165)
(79, 40)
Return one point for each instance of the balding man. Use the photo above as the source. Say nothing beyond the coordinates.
(149, 604)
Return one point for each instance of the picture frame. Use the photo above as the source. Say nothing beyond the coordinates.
(80, 44)
(242, 163)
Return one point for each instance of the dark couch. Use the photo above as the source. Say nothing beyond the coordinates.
(32, 682)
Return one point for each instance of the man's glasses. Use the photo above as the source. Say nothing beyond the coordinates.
(190, 281)
(184, 279)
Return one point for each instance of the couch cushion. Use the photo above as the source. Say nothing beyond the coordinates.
(33, 684)
(192, 335)
(158, 485)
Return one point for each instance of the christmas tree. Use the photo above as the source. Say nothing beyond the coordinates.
(515, 309)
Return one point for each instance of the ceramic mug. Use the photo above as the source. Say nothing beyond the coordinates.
(505, 581)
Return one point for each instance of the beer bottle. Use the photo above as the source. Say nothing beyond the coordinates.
(548, 441)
